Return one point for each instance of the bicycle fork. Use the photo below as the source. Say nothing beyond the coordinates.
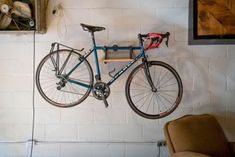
(148, 75)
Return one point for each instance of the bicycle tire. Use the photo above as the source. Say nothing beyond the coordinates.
(71, 94)
(156, 98)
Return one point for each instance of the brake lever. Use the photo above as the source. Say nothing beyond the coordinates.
(167, 35)
(167, 42)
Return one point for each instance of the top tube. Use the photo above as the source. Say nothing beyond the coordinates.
(117, 48)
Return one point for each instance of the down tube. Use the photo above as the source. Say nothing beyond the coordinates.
(118, 74)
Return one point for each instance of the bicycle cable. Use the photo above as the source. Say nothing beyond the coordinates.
(33, 96)
(32, 140)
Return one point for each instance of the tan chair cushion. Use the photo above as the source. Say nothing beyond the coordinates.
(201, 134)
(189, 154)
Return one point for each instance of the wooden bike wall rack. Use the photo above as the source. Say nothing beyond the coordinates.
(118, 54)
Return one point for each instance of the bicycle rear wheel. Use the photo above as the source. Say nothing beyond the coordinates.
(154, 104)
(55, 87)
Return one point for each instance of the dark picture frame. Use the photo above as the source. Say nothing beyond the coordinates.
(194, 38)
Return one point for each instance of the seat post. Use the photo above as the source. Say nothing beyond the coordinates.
(93, 38)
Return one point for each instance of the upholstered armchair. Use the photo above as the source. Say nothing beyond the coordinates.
(197, 136)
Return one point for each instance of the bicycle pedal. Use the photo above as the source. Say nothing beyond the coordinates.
(105, 101)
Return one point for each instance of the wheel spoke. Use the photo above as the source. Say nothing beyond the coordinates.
(162, 85)
(137, 94)
(149, 103)
(168, 85)
(160, 100)
(142, 104)
(158, 79)
(140, 85)
(142, 98)
(167, 99)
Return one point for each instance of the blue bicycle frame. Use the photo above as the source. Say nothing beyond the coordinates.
(105, 48)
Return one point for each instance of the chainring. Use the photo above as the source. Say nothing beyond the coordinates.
(100, 89)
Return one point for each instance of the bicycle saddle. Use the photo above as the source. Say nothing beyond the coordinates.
(90, 28)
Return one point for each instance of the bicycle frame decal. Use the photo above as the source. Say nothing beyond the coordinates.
(119, 73)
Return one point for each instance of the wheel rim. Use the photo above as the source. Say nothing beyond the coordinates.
(147, 102)
(70, 94)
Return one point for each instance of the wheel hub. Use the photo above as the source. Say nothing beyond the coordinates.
(61, 84)
(154, 90)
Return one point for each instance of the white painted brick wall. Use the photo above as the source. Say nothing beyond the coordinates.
(62, 131)
(207, 72)
(93, 132)
(50, 150)
(141, 150)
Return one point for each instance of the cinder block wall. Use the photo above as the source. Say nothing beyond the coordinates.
(207, 72)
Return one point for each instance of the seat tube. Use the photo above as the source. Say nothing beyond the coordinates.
(97, 76)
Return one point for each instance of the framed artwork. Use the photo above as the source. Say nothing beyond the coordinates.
(211, 22)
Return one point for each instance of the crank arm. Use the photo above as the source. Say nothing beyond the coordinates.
(105, 101)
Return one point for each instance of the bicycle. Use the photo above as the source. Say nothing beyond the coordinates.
(153, 89)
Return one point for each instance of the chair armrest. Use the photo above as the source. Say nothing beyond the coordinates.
(232, 147)
(189, 154)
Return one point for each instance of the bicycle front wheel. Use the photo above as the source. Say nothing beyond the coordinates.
(150, 103)
(56, 87)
